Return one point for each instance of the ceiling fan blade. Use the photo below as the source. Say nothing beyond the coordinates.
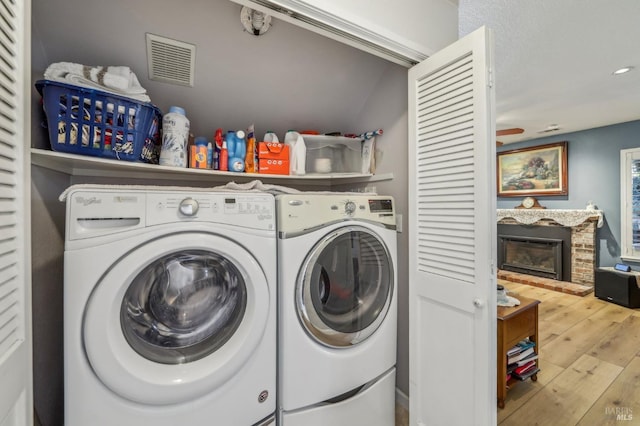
(512, 131)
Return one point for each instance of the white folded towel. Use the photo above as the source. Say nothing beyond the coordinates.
(119, 80)
(256, 185)
(252, 186)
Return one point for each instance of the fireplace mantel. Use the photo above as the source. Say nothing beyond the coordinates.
(561, 216)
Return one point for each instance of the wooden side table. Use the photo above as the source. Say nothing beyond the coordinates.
(515, 324)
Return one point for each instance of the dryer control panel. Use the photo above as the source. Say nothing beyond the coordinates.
(298, 212)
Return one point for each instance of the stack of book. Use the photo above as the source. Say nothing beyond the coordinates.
(521, 360)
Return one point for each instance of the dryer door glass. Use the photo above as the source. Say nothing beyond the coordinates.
(183, 306)
(346, 287)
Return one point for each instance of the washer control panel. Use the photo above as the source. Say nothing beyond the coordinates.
(251, 210)
(97, 212)
(189, 207)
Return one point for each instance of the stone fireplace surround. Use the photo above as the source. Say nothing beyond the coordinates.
(583, 224)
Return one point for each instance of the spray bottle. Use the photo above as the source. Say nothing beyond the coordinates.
(217, 149)
(250, 160)
(224, 157)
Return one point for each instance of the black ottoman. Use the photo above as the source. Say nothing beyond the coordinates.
(618, 287)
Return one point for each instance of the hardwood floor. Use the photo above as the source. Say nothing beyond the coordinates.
(589, 364)
(402, 416)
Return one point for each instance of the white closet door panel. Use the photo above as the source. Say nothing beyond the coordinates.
(16, 405)
(452, 246)
(5, 136)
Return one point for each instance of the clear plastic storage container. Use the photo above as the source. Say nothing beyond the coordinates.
(334, 154)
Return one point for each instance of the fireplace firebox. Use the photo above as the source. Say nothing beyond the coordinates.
(535, 250)
(533, 256)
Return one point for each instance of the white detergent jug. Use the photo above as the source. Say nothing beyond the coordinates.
(270, 137)
(175, 137)
(297, 153)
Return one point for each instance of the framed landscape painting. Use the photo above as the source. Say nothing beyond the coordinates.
(536, 170)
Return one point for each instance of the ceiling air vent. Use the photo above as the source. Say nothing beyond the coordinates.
(170, 61)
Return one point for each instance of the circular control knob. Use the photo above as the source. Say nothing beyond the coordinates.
(189, 207)
(350, 208)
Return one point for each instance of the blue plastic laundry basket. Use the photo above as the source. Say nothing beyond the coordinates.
(92, 122)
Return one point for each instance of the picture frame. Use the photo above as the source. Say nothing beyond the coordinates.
(537, 170)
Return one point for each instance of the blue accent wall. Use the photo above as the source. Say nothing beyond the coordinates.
(594, 175)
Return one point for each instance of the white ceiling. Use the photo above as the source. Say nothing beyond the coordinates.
(554, 61)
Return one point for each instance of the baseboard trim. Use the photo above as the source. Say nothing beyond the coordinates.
(402, 399)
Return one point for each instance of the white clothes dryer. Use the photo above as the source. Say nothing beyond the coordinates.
(169, 308)
(337, 309)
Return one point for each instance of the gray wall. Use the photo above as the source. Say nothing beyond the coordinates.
(288, 78)
(47, 248)
(594, 175)
(388, 105)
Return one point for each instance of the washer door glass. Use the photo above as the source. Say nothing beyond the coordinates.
(177, 316)
(345, 287)
(184, 306)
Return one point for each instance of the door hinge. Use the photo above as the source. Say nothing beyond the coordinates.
(490, 84)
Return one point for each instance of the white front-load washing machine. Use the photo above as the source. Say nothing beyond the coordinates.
(169, 307)
(337, 310)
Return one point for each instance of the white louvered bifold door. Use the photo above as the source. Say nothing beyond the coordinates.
(15, 276)
(452, 211)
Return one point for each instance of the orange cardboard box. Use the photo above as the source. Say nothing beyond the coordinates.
(198, 157)
(273, 158)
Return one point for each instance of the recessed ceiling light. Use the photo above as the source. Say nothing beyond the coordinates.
(622, 70)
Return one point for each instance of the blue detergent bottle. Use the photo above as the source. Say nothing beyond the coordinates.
(230, 142)
(237, 148)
